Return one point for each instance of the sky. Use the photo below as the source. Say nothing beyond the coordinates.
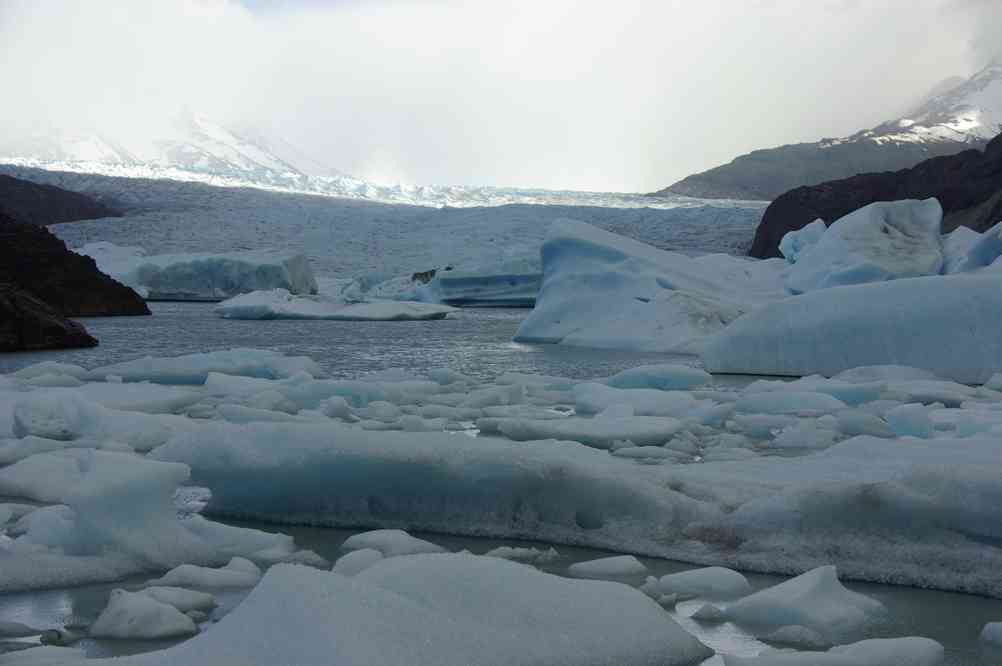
(628, 95)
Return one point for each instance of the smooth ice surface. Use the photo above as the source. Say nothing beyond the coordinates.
(391, 543)
(139, 616)
(881, 241)
(356, 561)
(913, 651)
(280, 304)
(180, 598)
(707, 583)
(604, 290)
(239, 572)
(991, 634)
(816, 600)
(439, 610)
(600, 432)
(202, 276)
(665, 377)
(903, 322)
(610, 568)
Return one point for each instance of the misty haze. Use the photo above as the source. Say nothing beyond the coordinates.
(422, 332)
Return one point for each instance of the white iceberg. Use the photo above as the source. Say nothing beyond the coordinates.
(604, 290)
(815, 600)
(881, 241)
(180, 598)
(195, 368)
(391, 543)
(912, 650)
(948, 325)
(794, 243)
(139, 616)
(238, 572)
(991, 634)
(707, 583)
(437, 610)
(608, 568)
(280, 304)
(202, 276)
(356, 561)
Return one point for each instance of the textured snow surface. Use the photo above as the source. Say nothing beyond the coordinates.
(280, 304)
(881, 241)
(202, 276)
(437, 610)
(945, 324)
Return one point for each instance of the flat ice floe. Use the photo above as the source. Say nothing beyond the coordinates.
(912, 650)
(280, 304)
(202, 276)
(885, 472)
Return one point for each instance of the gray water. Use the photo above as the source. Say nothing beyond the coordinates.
(475, 342)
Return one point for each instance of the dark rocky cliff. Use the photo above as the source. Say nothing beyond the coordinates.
(32, 203)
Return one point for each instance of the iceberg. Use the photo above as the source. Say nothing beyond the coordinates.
(139, 616)
(609, 568)
(881, 241)
(280, 304)
(707, 583)
(436, 610)
(195, 368)
(912, 650)
(202, 276)
(604, 290)
(391, 543)
(946, 324)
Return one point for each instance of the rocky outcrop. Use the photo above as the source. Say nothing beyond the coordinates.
(28, 324)
(32, 203)
(34, 260)
(968, 185)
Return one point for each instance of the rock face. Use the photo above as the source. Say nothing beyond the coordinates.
(28, 324)
(34, 260)
(32, 203)
(968, 185)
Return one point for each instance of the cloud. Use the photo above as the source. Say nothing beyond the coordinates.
(630, 95)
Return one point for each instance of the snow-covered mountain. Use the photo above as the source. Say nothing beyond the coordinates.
(958, 116)
(193, 148)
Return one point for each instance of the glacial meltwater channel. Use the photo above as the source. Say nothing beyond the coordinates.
(475, 342)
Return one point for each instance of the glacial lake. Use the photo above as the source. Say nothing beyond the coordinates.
(475, 342)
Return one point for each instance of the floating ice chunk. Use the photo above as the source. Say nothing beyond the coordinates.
(956, 245)
(807, 434)
(50, 368)
(666, 377)
(797, 636)
(873, 373)
(138, 616)
(391, 543)
(991, 634)
(597, 432)
(913, 651)
(648, 453)
(203, 276)
(591, 398)
(180, 598)
(47, 416)
(280, 304)
(239, 572)
(54, 381)
(800, 403)
(604, 290)
(527, 555)
(356, 561)
(195, 368)
(142, 397)
(899, 322)
(794, 243)
(816, 600)
(619, 566)
(43, 477)
(852, 422)
(437, 610)
(910, 421)
(716, 583)
(882, 241)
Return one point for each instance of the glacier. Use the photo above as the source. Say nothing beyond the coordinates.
(202, 276)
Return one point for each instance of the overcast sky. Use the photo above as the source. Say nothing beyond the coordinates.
(627, 95)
